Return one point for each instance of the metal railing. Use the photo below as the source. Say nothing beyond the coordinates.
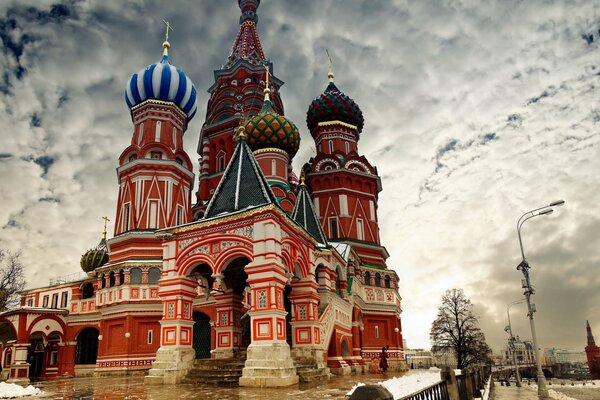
(437, 391)
(78, 276)
(461, 381)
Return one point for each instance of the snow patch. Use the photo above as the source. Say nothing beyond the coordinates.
(407, 384)
(12, 390)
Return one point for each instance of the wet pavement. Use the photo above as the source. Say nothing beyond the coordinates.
(133, 388)
(556, 392)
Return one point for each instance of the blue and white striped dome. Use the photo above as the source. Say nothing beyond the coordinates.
(162, 81)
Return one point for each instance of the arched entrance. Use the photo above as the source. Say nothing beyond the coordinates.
(203, 275)
(36, 355)
(232, 328)
(201, 340)
(87, 346)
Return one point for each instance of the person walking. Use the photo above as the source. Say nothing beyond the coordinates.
(383, 363)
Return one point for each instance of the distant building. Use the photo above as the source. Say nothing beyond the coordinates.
(593, 353)
(445, 358)
(524, 352)
(564, 356)
(418, 359)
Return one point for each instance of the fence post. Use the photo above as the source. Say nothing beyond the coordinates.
(477, 382)
(468, 383)
(447, 375)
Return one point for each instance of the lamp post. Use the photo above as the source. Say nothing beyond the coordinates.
(511, 341)
(529, 291)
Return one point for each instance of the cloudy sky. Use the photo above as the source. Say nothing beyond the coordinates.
(476, 112)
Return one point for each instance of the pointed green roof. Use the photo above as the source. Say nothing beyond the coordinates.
(242, 186)
(304, 214)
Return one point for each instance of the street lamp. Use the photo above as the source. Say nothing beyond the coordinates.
(529, 291)
(511, 341)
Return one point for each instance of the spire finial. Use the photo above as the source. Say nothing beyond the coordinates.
(267, 90)
(330, 73)
(248, 8)
(104, 230)
(166, 43)
(302, 177)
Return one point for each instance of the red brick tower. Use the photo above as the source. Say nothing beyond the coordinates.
(343, 184)
(238, 89)
(155, 173)
(592, 353)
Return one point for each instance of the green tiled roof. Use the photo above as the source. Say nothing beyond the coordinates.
(304, 214)
(242, 186)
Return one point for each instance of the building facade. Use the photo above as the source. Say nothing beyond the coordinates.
(265, 267)
(524, 352)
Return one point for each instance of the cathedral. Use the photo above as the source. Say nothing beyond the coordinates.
(281, 273)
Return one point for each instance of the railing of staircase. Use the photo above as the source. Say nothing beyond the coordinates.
(438, 391)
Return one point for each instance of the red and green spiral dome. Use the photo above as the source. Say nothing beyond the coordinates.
(333, 105)
(269, 129)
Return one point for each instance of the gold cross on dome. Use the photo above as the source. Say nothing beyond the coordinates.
(104, 231)
(167, 32)
(268, 73)
(330, 73)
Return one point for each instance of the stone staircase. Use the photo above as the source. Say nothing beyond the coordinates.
(310, 372)
(225, 371)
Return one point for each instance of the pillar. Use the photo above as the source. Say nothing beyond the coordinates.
(19, 367)
(227, 328)
(176, 355)
(306, 329)
(269, 362)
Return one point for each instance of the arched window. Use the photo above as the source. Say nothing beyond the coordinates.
(378, 279)
(87, 291)
(153, 276)
(388, 281)
(111, 279)
(136, 276)
(121, 277)
(102, 282)
(367, 278)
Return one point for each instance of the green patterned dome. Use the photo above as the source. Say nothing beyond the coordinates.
(269, 129)
(95, 258)
(333, 105)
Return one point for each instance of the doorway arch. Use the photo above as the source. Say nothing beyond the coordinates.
(201, 335)
(87, 346)
(36, 355)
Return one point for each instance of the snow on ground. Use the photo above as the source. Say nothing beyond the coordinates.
(12, 390)
(556, 395)
(407, 384)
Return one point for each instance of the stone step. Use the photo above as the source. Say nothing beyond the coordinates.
(216, 371)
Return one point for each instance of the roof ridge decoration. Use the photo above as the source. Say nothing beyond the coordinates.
(304, 213)
(243, 184)
(247, 43)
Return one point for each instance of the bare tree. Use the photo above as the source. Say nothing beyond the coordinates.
(456, 329)
(12, 279)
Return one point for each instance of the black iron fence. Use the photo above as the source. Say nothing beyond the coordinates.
(438, 391)
(468, 386)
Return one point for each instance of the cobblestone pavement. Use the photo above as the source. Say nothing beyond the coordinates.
(133, 388)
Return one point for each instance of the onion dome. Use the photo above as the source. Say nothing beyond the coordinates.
(333, 105)
(268, 129)
(95, 258)
(165, 82)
